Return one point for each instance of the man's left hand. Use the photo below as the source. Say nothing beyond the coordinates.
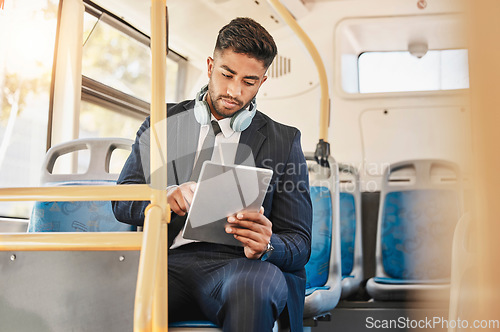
(253, 229)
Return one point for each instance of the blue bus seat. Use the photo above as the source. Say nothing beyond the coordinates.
(323, 283)
(420, 204)
(88, 216)
(350, 230)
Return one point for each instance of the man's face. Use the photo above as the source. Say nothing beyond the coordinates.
(235, 79)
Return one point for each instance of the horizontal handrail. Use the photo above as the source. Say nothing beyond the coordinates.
(92, 241)
(127, 192)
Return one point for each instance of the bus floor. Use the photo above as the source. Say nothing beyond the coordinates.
(361, 316)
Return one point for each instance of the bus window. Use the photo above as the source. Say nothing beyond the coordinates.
(117, 59)
(402, 71)
(99, 121)
(116, 77)
(27, 34)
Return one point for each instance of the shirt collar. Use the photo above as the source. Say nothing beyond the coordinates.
(225, 126)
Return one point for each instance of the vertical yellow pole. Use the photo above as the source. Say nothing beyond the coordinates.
(484, 47)
(158, 103)
(160, 297)
(152, 277)
(159, 156)
(143, 313)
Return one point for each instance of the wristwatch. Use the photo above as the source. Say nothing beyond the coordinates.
(269, 250)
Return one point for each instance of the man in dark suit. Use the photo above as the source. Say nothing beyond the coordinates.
(241, 288)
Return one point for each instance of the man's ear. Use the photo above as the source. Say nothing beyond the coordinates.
(210, 66)
(263, 80)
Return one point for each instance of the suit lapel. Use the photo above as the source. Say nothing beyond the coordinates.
(183, 133)
(251, 140)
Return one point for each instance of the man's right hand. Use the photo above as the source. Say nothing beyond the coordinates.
(179, 197)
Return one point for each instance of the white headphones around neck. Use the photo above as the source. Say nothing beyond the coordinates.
(239, 121)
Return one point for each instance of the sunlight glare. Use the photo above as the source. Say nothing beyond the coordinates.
(27, 38)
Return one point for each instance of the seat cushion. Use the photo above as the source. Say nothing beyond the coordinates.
(394, 281)
(311, 290)
(193, 324)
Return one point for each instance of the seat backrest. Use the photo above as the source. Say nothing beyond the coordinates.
(323, 283)
(317, 269)
(420, 203)
(88, 216)
(350, 220)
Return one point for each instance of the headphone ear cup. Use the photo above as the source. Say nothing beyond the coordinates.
(201, 108)
(242, 119)
(202, 112)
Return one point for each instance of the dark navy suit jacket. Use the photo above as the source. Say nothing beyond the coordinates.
(287, 203)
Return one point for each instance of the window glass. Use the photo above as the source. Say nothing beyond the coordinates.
(27, 36)
(117, 60)
(98, 121)
(78, 158)
(401, 71)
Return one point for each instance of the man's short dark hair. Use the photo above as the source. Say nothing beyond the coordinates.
(244, 35)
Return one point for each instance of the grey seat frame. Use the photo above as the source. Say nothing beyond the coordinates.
(321, 301)
(100, 155)
(98, 171)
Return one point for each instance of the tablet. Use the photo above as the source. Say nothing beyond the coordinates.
(222, 191)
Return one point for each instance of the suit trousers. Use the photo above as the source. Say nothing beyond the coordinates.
(218, 283)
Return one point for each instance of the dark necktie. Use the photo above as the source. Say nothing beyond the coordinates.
(207, 150)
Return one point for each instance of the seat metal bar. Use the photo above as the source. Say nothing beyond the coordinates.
(91, 241)
(131, 192)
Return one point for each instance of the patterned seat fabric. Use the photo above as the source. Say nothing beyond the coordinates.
(416, 226)
(318, 266)
(88, 216)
